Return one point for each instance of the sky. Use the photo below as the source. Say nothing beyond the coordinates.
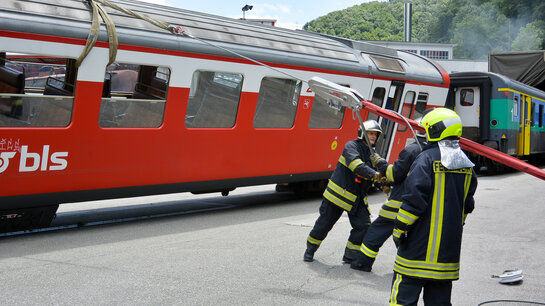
(291, 14)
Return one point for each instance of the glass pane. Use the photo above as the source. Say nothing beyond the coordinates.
(277, 103)
(406, 109)
(420, 107)
(213, 100)
(387, 64)
(540, 116)
(18, 110)
(516, 107)
(324, 117)
(120, 113)
(378, 98)
(133, 96)
(533, 114)
(466, 97)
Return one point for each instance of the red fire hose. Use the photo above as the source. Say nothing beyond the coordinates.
(466, 144)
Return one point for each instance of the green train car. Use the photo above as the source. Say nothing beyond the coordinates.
(500, 113)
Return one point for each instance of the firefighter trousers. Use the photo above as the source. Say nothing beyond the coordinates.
(379, 231)
(330, 214)
(406, 291)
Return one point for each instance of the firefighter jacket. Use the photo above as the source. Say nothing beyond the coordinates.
(396, 173)
(430, 219)
(353, 175)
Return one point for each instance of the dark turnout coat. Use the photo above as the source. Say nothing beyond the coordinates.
(352, 177)
(396, 174)
(435, 203)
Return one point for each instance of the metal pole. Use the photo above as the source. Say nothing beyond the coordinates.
(364, 131)
(407, 21)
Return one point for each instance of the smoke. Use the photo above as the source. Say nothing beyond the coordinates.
(484, 29)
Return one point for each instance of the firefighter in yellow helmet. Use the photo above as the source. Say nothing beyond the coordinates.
(347, 191)
(438, 195)
(381, 228)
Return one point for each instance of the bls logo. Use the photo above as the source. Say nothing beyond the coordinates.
(30, 161)
(4, 160)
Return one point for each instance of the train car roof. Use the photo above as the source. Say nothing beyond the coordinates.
(72, 18)
(499, 81)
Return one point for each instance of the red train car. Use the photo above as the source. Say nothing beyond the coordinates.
(173, 113)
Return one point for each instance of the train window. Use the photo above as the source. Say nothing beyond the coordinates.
(533, 115)
(133, 96)
(515, 108)
(277, 103)
(387, 64)
(213, 99)
(467, 97)
(324, 117)
(36, 90)
(407, 109)
(377, 99)
(541, 115)
(421, 103)
(408, 104)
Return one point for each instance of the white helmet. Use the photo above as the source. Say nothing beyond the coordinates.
(370, 125)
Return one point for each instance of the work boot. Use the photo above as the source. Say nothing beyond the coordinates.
(359, 265)
(362, 263)
(349, 255)
(309, 256)
(309, 252)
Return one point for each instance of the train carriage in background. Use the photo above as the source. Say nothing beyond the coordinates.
(500, 113)
(178, 114)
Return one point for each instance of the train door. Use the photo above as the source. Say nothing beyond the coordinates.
(393, 102)
(403, 133)
(523, 145)
(467, 105)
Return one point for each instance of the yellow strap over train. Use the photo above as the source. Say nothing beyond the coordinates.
(110, 28)
(95, 30)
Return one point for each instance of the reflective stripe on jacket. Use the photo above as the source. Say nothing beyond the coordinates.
(434, 204)
(396, 174)
(343, 190)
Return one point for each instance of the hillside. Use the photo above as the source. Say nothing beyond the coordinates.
(477, 27)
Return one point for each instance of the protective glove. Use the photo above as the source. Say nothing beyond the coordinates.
(399, 237)
(377, 177)
(381, 182)
(376, 159)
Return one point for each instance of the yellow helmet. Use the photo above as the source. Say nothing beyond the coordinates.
(441, 123)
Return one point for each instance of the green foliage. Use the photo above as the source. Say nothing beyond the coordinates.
(530, 37)
(372, 21)
(477, 27)
(480, 30)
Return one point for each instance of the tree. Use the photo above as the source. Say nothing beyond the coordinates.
(530, 37)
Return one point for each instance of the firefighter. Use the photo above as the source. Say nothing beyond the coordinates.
(438, 195)
(382, 227)
(347, 191)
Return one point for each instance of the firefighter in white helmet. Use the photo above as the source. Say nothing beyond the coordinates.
(438, 195)
(347, 191)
